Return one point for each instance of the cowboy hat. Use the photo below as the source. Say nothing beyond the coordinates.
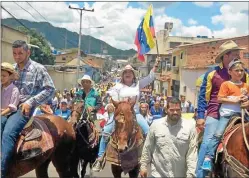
(10, 68)
(86, 77)
(128, 67)
(225, 48)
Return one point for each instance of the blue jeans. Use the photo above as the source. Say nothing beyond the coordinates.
(209, 131)
(11, 129)
(214, 142)
(109, 128)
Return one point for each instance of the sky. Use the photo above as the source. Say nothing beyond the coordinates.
(121, 19)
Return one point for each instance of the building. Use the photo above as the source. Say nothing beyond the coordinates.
(66, 56)
(9, 35)
(192, 60)
(166, 44)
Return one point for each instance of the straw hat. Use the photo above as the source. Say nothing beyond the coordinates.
(225, 48)
(86, 77)
(10, 68)
(129, 67)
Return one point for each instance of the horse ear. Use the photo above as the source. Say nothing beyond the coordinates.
(114, 103)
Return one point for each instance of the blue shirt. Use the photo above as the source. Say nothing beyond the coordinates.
(143, 124)
(64, 114)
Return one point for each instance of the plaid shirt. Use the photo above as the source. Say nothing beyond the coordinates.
(35, 85)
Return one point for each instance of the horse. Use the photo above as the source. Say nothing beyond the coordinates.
(125, 146)
(233, 153)
(48, 138)
(87, 139)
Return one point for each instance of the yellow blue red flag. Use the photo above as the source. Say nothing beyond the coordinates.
(144, 39)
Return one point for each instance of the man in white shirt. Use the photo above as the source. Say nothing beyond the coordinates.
(170, 147)
(184, 104)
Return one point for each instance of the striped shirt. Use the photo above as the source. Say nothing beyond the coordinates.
(35, 85)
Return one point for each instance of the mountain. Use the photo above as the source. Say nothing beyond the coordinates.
(56, 36)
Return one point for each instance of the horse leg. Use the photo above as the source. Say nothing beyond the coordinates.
(42, 170)
(134, 172)
(116, 171)
(83, 170)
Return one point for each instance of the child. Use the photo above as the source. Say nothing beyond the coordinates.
(230, 95)
(10, 93)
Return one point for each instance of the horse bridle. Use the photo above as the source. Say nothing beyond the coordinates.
(233, 162)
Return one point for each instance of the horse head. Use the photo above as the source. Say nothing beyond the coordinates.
(84, 127)
(125, 124)
(77, 110)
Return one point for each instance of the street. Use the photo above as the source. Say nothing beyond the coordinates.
(52, 172)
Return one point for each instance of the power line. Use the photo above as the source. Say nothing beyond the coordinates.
(71, 42)
(26, 11)
(37, 11)
(15, 18)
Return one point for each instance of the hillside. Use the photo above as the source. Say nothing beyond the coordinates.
(56, 36)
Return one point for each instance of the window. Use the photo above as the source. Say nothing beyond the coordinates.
(184, 89)
(174, 44)
(174, 61)
(63, 58)
(246, 55)
(181, 55)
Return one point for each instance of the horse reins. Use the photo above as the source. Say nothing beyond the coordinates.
(236, 165)
(243, 112)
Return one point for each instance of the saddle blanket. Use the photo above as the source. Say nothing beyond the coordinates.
(36, 142)
(226, 138)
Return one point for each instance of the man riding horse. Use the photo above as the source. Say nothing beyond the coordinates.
(207, 101)
(128, 81)
(36, 87)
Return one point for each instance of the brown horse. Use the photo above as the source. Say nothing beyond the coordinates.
(125, 147)
(87, 139)
(234, 160)
(49, 138)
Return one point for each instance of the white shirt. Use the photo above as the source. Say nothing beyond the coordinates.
(122, 88)
(228, 109)
(184, 106)
(171, 150)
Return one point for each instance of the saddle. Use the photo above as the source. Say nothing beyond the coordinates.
(34, 140)
(233, 125)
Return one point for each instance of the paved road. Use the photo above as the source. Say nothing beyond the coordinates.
(52, 172)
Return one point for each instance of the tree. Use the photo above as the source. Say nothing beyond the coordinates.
(42, 55)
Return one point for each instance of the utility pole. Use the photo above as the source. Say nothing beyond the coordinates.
(79, 52)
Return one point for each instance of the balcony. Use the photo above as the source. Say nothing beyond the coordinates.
(175, 69)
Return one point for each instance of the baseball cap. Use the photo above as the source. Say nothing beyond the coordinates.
(235, 61)
(64, 101)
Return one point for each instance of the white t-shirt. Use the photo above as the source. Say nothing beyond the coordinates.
(184, 106)
(227, 109)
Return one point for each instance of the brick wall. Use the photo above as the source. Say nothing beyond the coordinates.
(200, 55)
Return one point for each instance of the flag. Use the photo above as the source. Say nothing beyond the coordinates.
(144, 39)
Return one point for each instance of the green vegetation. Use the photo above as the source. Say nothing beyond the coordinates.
(42, 55)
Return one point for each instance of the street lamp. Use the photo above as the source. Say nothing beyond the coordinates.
(89, 41)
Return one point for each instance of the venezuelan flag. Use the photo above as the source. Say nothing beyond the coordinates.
(144, 39)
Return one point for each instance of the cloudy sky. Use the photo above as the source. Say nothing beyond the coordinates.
(121, 19)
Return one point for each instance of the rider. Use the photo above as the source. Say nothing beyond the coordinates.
(128, 80)
(90, 96)
(207, 100)
(36, 87)
(230, 95)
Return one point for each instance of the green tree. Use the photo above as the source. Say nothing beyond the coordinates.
(42, 55)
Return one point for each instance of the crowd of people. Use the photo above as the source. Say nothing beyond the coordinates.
(170, 145)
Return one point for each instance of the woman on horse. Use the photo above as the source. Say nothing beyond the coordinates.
(128, 81)
(92, 99)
